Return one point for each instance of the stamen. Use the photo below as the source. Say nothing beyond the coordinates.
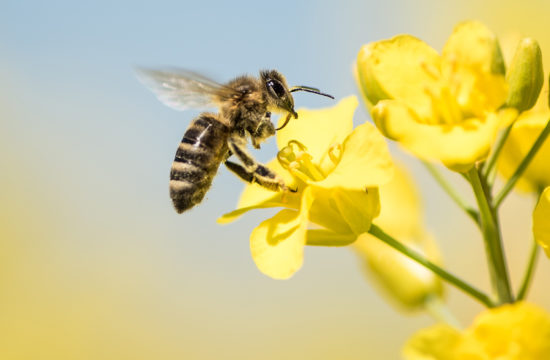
(298, 144)
(430, 70)
(335, 153)
(298, 162)
(309, 167)
(294, 169)
(444, 105)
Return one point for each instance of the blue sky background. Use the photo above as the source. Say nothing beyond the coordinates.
(88, 226)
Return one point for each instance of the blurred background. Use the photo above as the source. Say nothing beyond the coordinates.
(95, 263)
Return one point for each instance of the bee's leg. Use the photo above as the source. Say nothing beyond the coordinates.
(240, 171)
(251, 170)
(264, 130)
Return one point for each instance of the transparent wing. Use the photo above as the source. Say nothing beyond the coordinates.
(182, 89)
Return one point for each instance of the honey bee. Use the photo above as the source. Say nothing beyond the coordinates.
(245, 105)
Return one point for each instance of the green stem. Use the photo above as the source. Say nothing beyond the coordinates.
(523, 165)
(488, 166)
(445, 275)
(529, 272)
(438, 309)
(472, 213)
(492, 239)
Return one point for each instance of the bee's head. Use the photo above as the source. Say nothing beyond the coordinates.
(278, 93)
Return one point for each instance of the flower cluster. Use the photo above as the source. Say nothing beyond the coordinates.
(463, 108)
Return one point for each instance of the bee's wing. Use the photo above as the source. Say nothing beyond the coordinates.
(182, 89)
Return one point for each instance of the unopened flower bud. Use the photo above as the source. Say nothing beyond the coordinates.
(525, 76)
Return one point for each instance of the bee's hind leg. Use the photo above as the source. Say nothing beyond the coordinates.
(251, 170)
(240, 171)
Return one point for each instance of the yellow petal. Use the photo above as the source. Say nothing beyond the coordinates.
(458, 146)
(401, 211)
(403, 280)
(519, 331)
(319, 129)
(541, 221)
(438, 342)
(472, 44)
(344, 211)
(358, 208)
(513, 331)
(324, 212)
(320, 237)
(255, 196)
(400, 68)
(365, 161)
(474, 67)
(277, 244)
(524, 133)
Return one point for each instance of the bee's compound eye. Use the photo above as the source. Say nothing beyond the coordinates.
(276, 88)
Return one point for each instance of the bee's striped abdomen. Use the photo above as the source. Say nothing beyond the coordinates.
(199, 155)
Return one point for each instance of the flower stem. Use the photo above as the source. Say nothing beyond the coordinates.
(523, 165)
(471, 212)
(492, 239)
(529, 272)
(488, 166)
(445, 275)
(435, 306)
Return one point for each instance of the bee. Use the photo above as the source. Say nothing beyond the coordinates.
(244, 112)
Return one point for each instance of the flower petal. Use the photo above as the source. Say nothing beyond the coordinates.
(321, 237)
(326, 213)
(438, 342)
(524, 133)
(404, 280)
(397, 69)
(401, 212)
(255, 196)
(358, 208)
(473, 45)
(344, 212)
(541, 221)
(319, 129)
(474, 66)
(365, 161)
(277, 244)
(458, 146)
(512, 331)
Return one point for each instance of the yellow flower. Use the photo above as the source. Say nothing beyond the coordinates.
(541, 223)
(519, 331)
(439, 107)
(524, 133)
(406, 282)
(336, 170)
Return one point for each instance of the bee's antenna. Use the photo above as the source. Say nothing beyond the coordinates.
(310, 89)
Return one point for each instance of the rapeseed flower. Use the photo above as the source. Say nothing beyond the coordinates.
(336, 171)
(519, 331)
(440, 107)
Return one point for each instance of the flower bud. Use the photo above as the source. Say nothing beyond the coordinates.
(541, 227)
(407, 284)
(525, 76)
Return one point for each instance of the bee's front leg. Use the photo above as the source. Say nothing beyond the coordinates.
(264, 130)
(251, 170)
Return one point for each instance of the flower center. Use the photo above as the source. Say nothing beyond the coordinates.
(295, 158)
(445, 107)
